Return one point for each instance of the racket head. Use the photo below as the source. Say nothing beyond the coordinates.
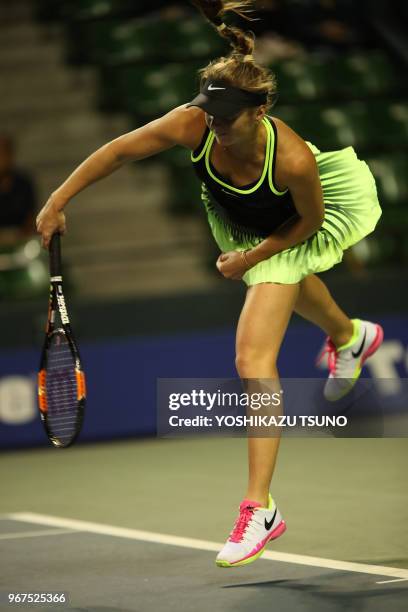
(61, 389)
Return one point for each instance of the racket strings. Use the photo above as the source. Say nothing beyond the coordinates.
(61, 388)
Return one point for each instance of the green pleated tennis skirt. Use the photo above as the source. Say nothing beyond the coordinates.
(352, 211)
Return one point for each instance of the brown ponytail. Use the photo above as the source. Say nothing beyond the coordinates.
(214, 10)
(239, 68)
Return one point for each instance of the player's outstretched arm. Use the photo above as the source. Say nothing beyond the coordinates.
(178, 127)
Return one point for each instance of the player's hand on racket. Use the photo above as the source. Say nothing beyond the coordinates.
(50, 220)
(231, 265)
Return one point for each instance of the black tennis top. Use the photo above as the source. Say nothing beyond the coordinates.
(254, 210)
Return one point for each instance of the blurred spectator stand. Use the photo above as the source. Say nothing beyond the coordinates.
(22, 269)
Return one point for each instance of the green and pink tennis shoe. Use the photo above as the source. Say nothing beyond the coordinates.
(253, 529)
(346, 362)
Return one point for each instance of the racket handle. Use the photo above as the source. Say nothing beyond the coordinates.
(55, 255)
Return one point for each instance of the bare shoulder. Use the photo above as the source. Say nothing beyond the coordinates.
(180, 126)
(186, 125)
(294, 157)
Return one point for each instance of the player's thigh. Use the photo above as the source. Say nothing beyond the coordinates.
(264, 318)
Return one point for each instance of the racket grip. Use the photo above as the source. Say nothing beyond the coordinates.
(55, 255)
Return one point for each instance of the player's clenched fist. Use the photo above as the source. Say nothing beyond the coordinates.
(50, 220)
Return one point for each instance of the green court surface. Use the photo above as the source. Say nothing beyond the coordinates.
(345, 502)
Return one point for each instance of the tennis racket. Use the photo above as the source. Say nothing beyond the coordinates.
(61, 380)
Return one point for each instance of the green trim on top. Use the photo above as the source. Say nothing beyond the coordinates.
(354, 337)
(270, 178)
(199, 156)
(236, 189)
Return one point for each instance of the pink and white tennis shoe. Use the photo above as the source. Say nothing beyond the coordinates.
(346, 362)
(253, 529)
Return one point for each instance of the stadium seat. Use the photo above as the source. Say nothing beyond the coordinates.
(379, 124)
(299, 79)
(90, 42)
(116, 41)
(87, 10)
(391, 176)
(23, 270)
(392, 185)
(197, 39)
(360, 75)
(355, 75)
(311, 123)
(148, 91)
(190, 37)
(138, 40)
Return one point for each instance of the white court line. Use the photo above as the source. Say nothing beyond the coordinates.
(161, 538)
(34, 534)
(388, 581)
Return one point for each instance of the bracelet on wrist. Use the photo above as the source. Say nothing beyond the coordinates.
(244, 255)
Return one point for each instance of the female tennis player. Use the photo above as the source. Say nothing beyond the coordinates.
(280, 211)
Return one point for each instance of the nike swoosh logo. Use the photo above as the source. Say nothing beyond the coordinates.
(268, 524)
(211, 88)
(358, 353)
